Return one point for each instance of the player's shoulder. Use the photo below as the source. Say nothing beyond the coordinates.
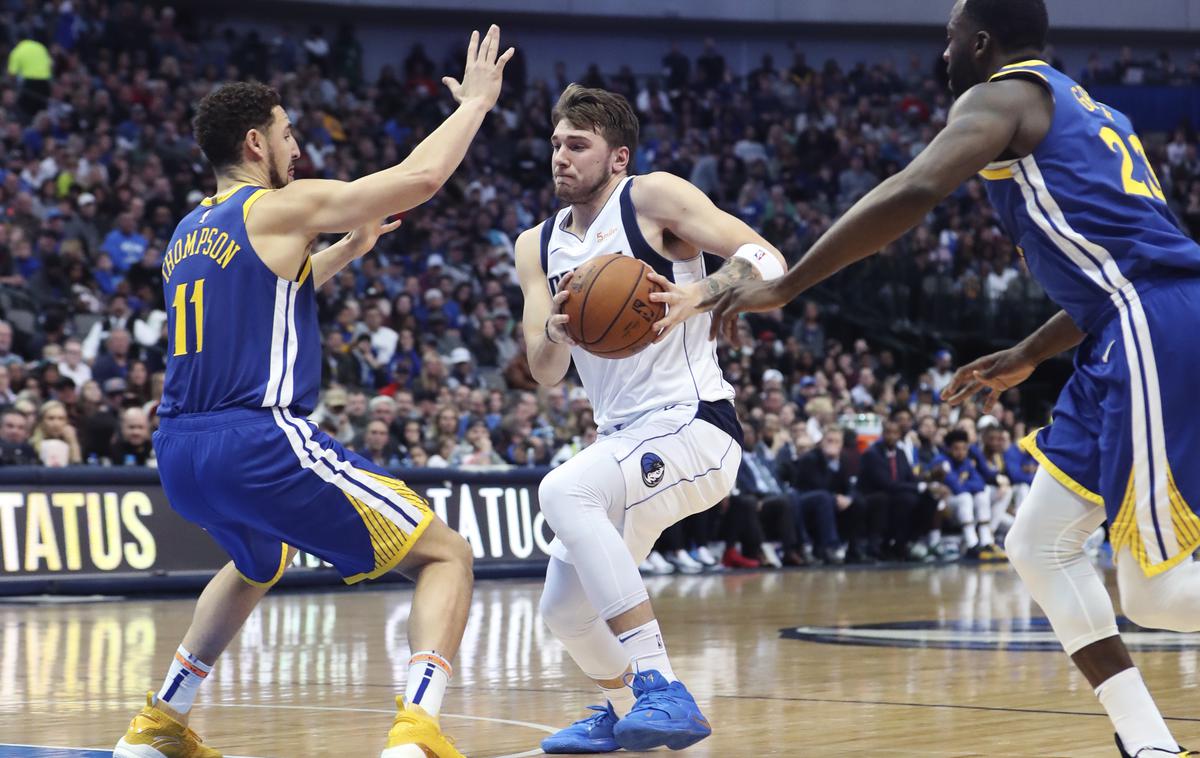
(1002, 96)
(663, 195)
(658, 182)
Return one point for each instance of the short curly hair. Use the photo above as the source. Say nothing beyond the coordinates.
(225, 115)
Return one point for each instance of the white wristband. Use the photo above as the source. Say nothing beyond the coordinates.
(762, 259)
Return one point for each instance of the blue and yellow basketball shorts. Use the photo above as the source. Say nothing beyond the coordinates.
(261, 480)
(1125, 432)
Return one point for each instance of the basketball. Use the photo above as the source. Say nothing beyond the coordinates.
(610, 311)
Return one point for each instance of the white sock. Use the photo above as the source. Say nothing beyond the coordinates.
(970, 537)
(1133, 713)
(621, 699)
(183, 681)
(985, 535)
(428, 675)
(647, 650)
(935, 537)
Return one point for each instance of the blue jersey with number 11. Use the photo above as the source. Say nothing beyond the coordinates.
(238, 336)
(1085, 208)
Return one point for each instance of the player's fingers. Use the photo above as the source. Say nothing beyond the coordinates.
(391, 227)
(661, 281)
(451, 83)
(989, 401)
(508, 54)
(960, 377)
(562, 283)
(962, 393)
(473, 47)
(670, 298)
(731, 329)
(487, 48)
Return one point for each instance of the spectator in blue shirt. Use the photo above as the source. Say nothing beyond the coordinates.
(123, 244)
(969, 500)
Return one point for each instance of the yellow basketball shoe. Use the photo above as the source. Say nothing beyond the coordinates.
(416, 734)
(153, 733)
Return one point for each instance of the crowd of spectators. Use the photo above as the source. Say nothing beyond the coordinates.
(423, 359)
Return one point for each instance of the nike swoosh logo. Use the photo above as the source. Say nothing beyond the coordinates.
(626, 637)
(1107, 351)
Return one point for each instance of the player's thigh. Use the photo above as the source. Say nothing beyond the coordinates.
(288, 480)
(670, 477)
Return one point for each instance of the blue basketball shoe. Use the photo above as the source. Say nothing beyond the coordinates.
(593, 734)
(665, 714)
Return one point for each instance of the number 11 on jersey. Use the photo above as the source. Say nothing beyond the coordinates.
(180, 305)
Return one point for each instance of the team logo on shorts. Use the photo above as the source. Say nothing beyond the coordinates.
(653, 469)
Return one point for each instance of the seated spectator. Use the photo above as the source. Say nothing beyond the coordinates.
(478, 450)
(378, 447)
(968, 502)
(132, 446)
(72, 364)
(115, 360)
(53, 424)
(777, 511)
(15, 449)
(891, 489)
(1013, 466)
(822, 477)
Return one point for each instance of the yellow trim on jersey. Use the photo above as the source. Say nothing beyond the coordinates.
(997, 174)
(1005, 72)
(304, 272)
(1029, 445)
(254, 196)
(1024, 64)
(1124, 530)
(215, 199)
(389, 542)
(283, 561)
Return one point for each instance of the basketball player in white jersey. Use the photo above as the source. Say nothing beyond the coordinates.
(669, 442)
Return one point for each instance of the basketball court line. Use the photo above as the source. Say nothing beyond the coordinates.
(96, 753)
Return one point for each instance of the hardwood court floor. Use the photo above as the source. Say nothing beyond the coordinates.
(313, 673)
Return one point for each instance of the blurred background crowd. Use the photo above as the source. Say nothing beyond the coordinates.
(850, 453)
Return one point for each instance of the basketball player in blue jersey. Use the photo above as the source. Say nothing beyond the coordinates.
(669, 442)
(237, 455)
(1070, 181)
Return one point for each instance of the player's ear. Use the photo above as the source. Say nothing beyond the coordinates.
(256, 142)
(982, 42)
(620, 159)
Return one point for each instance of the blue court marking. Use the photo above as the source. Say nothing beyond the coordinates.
(41, 751)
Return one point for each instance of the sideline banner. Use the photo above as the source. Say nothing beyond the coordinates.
(89, 523)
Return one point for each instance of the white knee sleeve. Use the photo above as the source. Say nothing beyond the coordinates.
(1045, 546)
(580, 505)
(1170, 600)
(570, 616)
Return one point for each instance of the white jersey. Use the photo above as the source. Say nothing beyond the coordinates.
(682, 368)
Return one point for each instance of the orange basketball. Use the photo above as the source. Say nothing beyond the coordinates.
(610, 310)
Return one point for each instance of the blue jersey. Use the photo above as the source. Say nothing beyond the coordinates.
(1085, 208)
(238, 336)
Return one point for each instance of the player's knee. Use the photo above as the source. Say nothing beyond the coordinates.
(1020, 547)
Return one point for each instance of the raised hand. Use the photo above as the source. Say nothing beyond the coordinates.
(993, 373)
(484, 71)
(364, 237)
(681, 301)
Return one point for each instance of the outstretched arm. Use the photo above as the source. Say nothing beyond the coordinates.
(1006, 369)
(320, 206)
(982, 125)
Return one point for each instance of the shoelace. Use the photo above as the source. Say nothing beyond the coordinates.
(596, 718)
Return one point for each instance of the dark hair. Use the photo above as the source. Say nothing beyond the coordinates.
(955, 435)
(225, 115)
(605, 113)
(1015, 24)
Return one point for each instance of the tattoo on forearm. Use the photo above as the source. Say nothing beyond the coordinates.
(734, 270)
